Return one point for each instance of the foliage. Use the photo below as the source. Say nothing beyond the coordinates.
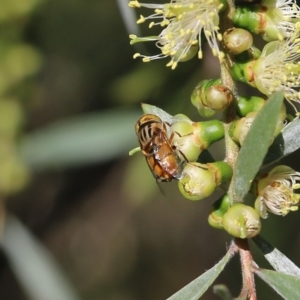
(250, 124)
(257, 132)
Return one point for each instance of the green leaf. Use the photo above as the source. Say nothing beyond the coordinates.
(276, 259)
(255, 146)
(287, 142)
(286, 286)
(195, 289)
(222, 291)
(33, 265)
(151, 109)
(81, 140)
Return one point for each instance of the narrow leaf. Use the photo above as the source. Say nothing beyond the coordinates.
(129, 18)
(286, 286)
(35, 268)
(255, 146)
(285, 143)
(276, 259)
(80, 140)
(195, 289)
(151, 109)
(222, 291)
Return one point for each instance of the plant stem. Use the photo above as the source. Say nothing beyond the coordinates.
(231, 6)
(248, 290)
(232, 149)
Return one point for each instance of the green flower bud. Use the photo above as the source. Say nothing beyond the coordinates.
(206, 112)
(252, 53)
(243, 72)
(184, 140)
(197, 182)
(237, 40)
(274, 20)
(239, 129)
(247, 18)
(222, 171)
(182, 117)
(200, 180)
(218, 97)
(219, 208)
(242, 221)
(249, 104)
(192, 138)
(208, 132)
(210, 96)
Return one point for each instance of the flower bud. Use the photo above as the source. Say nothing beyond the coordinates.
(184, 140)
(247, 18)
(200, 180)
(218, 97)
(237, 40)
(208, 132)
(222, 171)
(219, 208)
(197, 182)
(275, 191)
(191, 138)
(239, 129)
(244, 72)
(252, 53)
(273, 21)
(210, 96)
(249, 104)
(242, 221)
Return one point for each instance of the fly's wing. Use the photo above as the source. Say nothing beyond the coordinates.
(170, 160)
(158, 179)
(153, 166)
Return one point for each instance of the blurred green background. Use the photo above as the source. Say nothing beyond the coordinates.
(83, 219)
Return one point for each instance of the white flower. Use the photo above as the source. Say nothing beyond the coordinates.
(186, 22)
(281, 17)
(276, 191)
(278, 67)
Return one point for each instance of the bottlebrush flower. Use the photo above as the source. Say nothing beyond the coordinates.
(276, 192)
(186, 24)
(278, 67)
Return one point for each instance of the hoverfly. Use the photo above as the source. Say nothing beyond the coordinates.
(164, 161)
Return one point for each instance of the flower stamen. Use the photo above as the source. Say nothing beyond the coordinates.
(185, 22)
